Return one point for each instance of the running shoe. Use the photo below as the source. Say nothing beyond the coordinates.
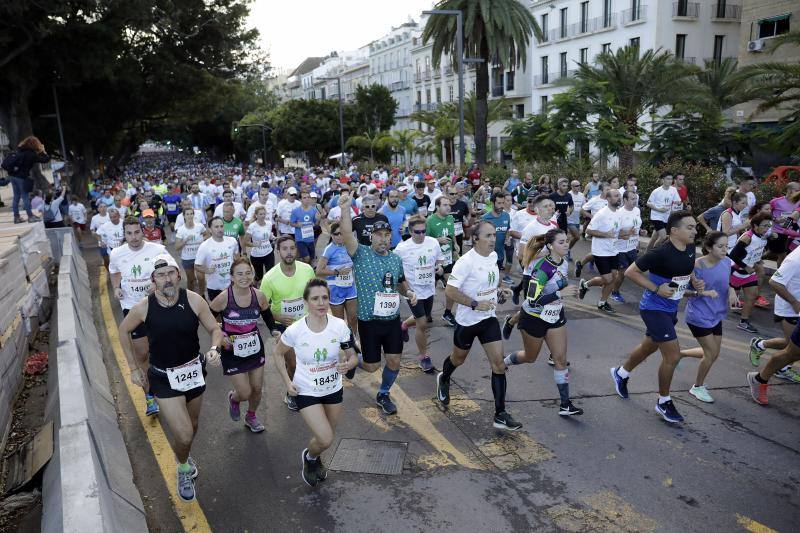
(583, 288)
(668, 412)
(788, 374)
(309, 471)
(745, 325)
(620, 384)
(448, 317)
(291, 402)
(590, 265)
(701, 393)
(755, 351)
(322, 470)
(617, 297)
(430, 319)
(404, 330)
(758, 390)
(604, 307)
(386, 403)
(550, 360)
(194, 467)
(185, 484)
(578, 269)
(442, 389)
(507, 280)
(350, 374)
(737, 306)
(233, 408)
(151, 405)
(426, 364)
(762, 302)
(254, 424)
(504, 420)
(508, 327)
(568, 409)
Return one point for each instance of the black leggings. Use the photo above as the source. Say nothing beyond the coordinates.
(262, 264)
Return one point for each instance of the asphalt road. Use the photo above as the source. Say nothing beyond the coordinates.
(732, 466)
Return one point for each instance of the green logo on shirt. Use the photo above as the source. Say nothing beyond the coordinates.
(423, 260)
(492, 277)
(136, 270)
(321, 354)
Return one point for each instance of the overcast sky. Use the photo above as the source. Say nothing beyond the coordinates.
(292, 30)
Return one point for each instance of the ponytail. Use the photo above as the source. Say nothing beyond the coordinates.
(535, 246)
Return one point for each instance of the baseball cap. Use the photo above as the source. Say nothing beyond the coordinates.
(292, 190)
(164, 260)
(428, 177)
(148, 213)
(381, 226)
(313, 195)
(402, 188)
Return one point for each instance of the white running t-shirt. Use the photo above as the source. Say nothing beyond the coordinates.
(135, 268)
(220, 256)
(317, 355)
(477, 277)
(192, 239)
(419, 265)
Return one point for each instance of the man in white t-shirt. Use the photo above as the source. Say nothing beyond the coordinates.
(199, 214)
(284, 212)
(661, 203)
(574, 218)
(630, 222)
(238, 209)
(786, 284)
(130, 266)
(77, 213)
(110, 234)
(100, 218)
(263, 200)
(214, 258)
(422, 263)
(604, 229)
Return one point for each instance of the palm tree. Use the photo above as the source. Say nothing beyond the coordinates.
(403, 142)
(621, 89)
(495, 30)
(776, 85)
(380, 141)
(722, 83)
(496, 109)
(443, 124)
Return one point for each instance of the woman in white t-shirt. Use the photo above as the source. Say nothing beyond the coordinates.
(662, 203)
(188, 239)
(258, 243)
(323, 349)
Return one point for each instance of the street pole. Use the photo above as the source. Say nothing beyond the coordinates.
(60, 130)
(263, 147)
(341, 122)
(460, 55)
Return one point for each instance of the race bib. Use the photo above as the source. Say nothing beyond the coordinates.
(138, 287)
(682, 282)
(459, 228)
(447, 255)
(222, 267)
(186, 377)
(343, 280)
(307, 232)
(293, 308)
(489, 295)
(424, 275)
(172, 207)
(326, 380)
(386, 304)
(245, 345)
(552, 312)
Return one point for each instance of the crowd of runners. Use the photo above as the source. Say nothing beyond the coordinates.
(342, 265)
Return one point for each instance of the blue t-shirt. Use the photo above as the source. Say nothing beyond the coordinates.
(708, 312)
(395, 218)
(337, 257)
(307, 220)
(172, 201)
(512, 184)
(501, 224)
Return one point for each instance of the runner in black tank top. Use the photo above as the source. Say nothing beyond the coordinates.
(177, 368)
(243, 348)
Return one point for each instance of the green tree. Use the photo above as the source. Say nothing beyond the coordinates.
(775, 85)
(535, 138)
(403, 141)
(495, 30)
(374, 109)
(306, 126)
(610, 99)
(378, 144)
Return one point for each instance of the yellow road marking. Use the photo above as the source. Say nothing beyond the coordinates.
(190, 514)
(410, 414)
(514, 450)
(751, 525)
(603, 511)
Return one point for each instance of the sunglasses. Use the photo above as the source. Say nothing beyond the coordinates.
(337, 234)
(419, 231)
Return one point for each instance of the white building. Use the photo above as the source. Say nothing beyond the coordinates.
(576, 31)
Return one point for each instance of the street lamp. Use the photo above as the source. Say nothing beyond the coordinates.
(341, 116)
(264, 128)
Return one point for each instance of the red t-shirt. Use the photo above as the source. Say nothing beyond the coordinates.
(683, 192)
(152, 234)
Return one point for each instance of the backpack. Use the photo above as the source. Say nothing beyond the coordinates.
(47, 214)
(11, 162)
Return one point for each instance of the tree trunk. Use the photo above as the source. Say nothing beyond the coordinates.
(15, 116)
(82, 170)
(481, 107)
(625, 154)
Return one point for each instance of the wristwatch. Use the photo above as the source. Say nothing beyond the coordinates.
(473, 304)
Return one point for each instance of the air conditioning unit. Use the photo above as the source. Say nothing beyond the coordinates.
(755, 46)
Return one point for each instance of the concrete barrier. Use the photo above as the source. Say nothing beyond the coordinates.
(88, 484)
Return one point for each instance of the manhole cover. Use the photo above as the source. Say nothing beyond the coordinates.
(370, 456)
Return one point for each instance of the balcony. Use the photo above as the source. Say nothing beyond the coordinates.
(437, 74)
(686, 60)
(716, 60)
(510, 80)
(417, 77)
(430, 106)
(399, 85)
(634, 15)
(685, 10)
(426, 75)
(544, 79)
(585, 27)
(725, 12)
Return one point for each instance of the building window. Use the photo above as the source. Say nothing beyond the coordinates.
(606, 13)
(438, 95)
(719, 41)
(634, 42)
(584, 17)
(680, 45)
(450, 92)
(544, 70)
(562, 63)
(563, 22)
(419, 98)
(682, 8)
(772, 27)
(427, 96)
(636, 9)
(544, 27)
(520, 110)
(584, 56)
(542, 104)
(418, 68)
(606, 48)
